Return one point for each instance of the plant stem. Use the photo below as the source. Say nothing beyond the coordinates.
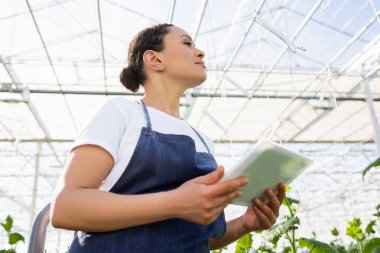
(289, 207)
(360, 245)
(292, 242)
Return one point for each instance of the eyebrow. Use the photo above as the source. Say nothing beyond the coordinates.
(187, 36)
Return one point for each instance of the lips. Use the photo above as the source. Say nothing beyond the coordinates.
(202, 63)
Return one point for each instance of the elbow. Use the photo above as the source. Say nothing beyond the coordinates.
(55, 220)
(57, 212)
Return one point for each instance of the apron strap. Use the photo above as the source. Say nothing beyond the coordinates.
(203, 141)
(147, 118)
(149, 126)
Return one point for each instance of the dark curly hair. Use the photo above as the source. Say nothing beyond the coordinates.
(150, 38)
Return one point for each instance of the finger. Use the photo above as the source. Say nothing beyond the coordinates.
(273, 202)
(228, 186)
(227, 199)
(265, 210)
(281, 192)
(263, 219)
(211, 178)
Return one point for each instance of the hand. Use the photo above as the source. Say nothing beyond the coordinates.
(260, 215)
(203, 199)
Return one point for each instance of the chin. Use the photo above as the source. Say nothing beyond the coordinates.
(195, 79)
(202, 78)
(198, 81)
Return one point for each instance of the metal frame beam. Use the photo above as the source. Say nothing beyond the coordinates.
(50, 62)
(241, 141)
(326, 130)
(230, 60)
(191, 100)
(332, 60)
(25, 96)
(198, 23)
(171, 11)
(374, 121)
(311, 96)
(261, 79)
(102, 45)
(255, 86)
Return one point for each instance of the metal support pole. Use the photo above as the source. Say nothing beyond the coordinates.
(375, 123)
(35, 185)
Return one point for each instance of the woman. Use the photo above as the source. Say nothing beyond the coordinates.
(141, 179)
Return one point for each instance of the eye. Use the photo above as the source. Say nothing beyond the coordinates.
(187, 43)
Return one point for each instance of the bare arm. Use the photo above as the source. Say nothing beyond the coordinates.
(79, 205)
(234, 231)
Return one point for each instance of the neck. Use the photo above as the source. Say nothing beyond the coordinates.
(163, 97)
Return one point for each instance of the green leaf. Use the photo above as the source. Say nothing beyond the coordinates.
(8, 251)
(352, 248)
(244, 243)
(316, 246)
(354, 230)
(372, 165)
(377, 214)
(216, 251)
(340, 248)
(356, 222)
(369, 229)
(335, 232)
(15, 238)
(289, 201)
(8, 223)
(265, 248)
(274, 234)
(287, 188)
(372, 246)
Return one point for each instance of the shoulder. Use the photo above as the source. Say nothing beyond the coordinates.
(122, 104)
(117, 107)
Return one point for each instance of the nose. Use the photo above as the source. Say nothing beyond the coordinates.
(200, 53)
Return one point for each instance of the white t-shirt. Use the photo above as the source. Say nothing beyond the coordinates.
(117, 125)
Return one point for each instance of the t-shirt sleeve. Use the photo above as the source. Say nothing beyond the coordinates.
(105, 129)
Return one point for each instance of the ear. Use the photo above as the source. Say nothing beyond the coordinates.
(152, 61)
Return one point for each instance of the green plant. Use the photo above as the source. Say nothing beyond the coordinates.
(244, 244)
(13, 238)
(376, 163)
(287, 229)
(364, 241)
(219, 250)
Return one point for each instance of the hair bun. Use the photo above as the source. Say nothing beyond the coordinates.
(129, 79)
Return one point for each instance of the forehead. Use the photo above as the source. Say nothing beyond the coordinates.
(176, 33)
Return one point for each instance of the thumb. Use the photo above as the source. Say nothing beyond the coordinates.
(212, 177)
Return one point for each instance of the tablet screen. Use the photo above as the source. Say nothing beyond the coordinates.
(266, 165)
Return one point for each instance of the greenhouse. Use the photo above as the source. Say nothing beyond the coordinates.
(303, 74)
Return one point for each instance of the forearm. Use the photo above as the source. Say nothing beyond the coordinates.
(234, 231)
(93, 210)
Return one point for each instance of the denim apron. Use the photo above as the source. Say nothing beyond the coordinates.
(160, 162)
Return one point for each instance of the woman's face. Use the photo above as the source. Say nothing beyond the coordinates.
(182, 60)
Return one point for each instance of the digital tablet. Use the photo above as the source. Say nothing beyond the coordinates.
(266, 165)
